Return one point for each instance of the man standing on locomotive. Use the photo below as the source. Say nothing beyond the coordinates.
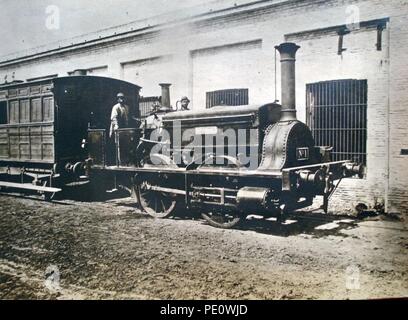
(184, 102)
(119, 115)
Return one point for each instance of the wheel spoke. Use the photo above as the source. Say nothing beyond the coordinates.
(163, 205)
(156, 204)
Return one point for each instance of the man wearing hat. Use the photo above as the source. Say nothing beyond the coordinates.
(119, 115)
(184, 102)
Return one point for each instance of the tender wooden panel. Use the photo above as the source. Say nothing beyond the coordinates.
(23, 91)
(24, 134)
(36, 112)
(35, 141)
(4, 146)
(46, 88)
(14, 112)
(35, 89)
(24, 111)
(25, 151)
(48, 151)
(4, 154)
(24, 143)
(48, 109)
(14, 137)
(47, 134)
(27, 143)
(12, 93)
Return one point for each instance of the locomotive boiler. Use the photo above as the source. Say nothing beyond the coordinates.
(226, 162)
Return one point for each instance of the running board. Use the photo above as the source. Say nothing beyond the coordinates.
(28, 186)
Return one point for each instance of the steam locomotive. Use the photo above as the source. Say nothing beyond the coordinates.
(176, 163)
(225, 162)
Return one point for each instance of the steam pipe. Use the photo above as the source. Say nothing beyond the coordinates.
(287, 52)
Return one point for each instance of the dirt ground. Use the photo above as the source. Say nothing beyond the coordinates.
(107, 250)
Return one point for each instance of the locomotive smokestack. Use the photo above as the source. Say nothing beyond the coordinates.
(165, 98)
(287, 52)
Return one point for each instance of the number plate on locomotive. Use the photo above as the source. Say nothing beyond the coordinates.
(206, 130)
(302, 153)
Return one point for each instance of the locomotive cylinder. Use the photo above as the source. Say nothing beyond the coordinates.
(309, 180)
(253, 199)
(351, 169)
(287, 52)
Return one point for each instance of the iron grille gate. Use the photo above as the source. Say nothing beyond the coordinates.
(230, 97)
(337, 116)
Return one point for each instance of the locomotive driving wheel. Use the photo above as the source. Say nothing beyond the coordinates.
(155, 203)
(223, 220)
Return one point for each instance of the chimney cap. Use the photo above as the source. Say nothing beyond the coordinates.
(287, 47)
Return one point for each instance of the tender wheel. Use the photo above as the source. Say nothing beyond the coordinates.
(155, 203)
(222, 220)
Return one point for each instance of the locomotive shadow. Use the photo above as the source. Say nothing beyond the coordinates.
(91, 193)
(313, 224)
(15, 193)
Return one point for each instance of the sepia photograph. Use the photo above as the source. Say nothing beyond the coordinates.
(203, 150)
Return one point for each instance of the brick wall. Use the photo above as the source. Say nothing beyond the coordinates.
(386, 70)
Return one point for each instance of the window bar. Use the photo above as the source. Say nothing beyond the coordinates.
(363, 114)
(364, 141)
(347, 96)
(358, 118)
(342, 117)
(332, 114)
(357, 110)
(320, 116)
(327, 108)
(380, 29)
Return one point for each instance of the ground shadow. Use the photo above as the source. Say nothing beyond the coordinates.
(31, 196)
(311, 223)
(316, 225)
